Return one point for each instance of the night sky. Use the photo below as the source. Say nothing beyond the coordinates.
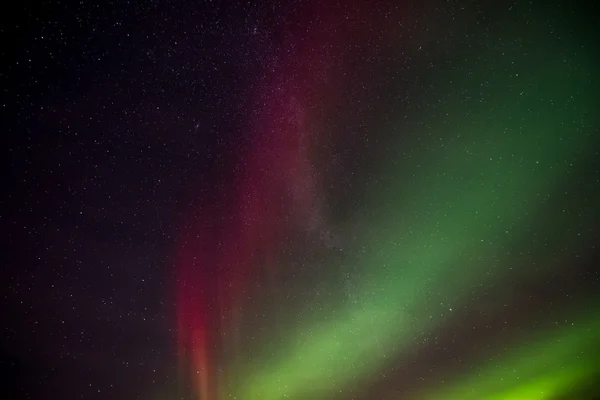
(304, 200)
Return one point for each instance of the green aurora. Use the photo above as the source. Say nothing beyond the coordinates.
(484, 202)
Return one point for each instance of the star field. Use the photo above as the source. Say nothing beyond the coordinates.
(300, 200)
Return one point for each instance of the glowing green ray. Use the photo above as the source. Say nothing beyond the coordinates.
(545, 367)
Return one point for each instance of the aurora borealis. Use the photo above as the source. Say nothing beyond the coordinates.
(339, 201)
(465, 209)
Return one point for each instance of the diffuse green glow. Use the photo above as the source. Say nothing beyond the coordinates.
(436, 239)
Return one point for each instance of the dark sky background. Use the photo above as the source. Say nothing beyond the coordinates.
(114, 114)
(116, 118)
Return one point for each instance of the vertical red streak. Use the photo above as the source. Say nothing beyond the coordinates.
(224, 243)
